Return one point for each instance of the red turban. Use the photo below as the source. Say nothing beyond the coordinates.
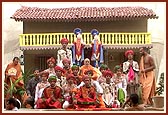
(51, 59)
(59, 68)
(107, 73)
(66, 60)
(129, 52)
(70, 76)
(85, 76)
(64, 40)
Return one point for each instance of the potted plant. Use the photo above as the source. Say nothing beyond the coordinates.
(158, 100)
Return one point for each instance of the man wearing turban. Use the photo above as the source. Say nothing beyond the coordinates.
(119, 79)
(131, 69)
(64, 52)
(61, 80)
(75, 72)
(67, 66)
(52, 96)
(86, 96)
(97, 49)
(108, 88)
(51, 64)
(78, 47)
(69, 90)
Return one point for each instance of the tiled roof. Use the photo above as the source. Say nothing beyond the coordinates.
(82, 14)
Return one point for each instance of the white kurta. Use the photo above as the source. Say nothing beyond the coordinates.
(61, 54)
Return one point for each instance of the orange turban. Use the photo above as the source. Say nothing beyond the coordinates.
(64, 40)
(129, 52)
(51, 59)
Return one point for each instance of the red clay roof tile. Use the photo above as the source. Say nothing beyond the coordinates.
(82, 13)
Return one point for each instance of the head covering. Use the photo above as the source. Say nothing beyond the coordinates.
(59, 68)
(45, 73)
(129, 52)
(85, 76)
(66, 60)
(94, 32)
(77, 31)
(64, 40)
(70, 76)
(52, 59)
(104, 67)
(52, 78)
(107, 73)
(75, 67)
(117, 67)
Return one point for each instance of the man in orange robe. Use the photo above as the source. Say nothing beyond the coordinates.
(147, 77)
(13, 72)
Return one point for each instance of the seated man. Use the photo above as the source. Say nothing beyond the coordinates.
(52, 96)
(69, 91)
(86, 96)
(87, 67)
(119, 79)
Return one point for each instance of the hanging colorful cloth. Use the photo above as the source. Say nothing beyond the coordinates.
(130, 74)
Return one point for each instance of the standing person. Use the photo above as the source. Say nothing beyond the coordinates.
(78, 48)
(51, 64)
(64, 52)
(97, 49)
(147, 77)
(13, 72)
(131, 69)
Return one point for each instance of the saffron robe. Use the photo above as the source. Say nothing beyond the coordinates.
(148, 84)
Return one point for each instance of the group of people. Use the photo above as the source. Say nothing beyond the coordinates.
(67, 83)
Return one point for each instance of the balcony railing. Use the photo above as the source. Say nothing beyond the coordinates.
(53, 39)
